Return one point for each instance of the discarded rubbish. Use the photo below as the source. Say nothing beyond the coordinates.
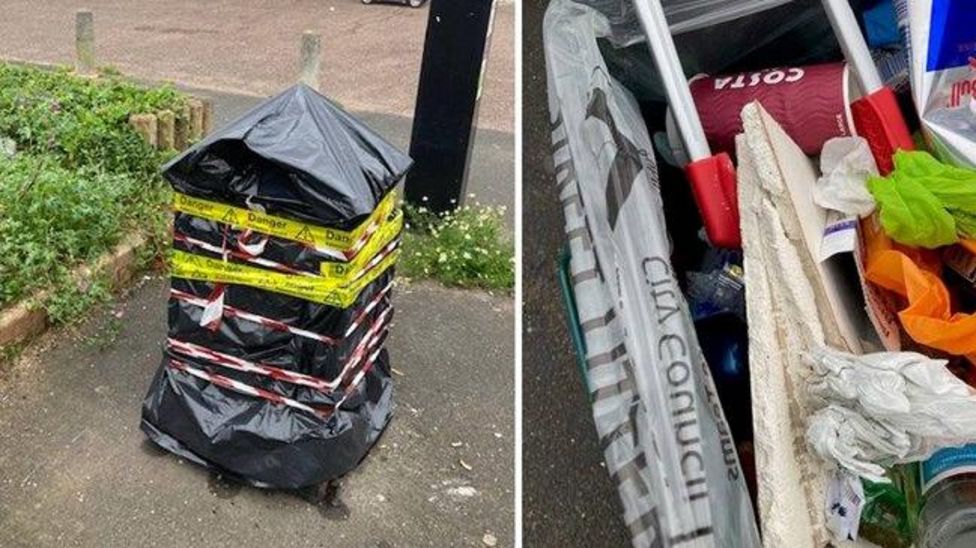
(717, 288)
(942, 40)
(654, 397)
(886, 408)
(876, 250)
(845, 165)
(810, 102)
(929, 315)
(924, 202)
(889, 513)
(285, 235)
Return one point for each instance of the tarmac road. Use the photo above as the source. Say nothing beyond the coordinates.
(371, 54)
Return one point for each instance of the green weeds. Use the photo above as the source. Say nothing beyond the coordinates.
(466, 248)
(74, 180)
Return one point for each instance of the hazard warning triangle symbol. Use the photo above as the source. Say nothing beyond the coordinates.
(229, 217)
(305, 234)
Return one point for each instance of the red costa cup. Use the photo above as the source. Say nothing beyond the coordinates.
(812, 104)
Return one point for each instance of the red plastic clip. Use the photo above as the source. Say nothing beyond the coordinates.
(714, 185)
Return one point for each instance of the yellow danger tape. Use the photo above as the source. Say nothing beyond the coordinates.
(388, 231)
(317, 236)
(338, 292)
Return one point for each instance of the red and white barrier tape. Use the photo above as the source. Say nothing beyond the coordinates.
(367, 309)
(351, 253)
(227, 252)
(254, 249)
(378, 258)
(370, 339)
(360, 376)
(249, 390)
(278, 325)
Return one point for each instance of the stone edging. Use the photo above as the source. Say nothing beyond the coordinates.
(25, 319)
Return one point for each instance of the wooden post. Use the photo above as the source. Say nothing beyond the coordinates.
(181, 129)
(84, 42)
(207, 115)
(146, 126)
(196, 119)
(311, 57)
(166, 130)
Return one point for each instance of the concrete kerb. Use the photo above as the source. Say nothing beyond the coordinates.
(26, 319)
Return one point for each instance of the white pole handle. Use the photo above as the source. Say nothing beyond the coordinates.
(659, 39)
(852, 43)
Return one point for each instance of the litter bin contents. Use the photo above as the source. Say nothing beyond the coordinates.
(667, 441)
(811, 102)
(817, 352)
(286, 231)
(948, 515)
(939, 35)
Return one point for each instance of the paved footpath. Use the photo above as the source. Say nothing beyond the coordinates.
(75, 470)
(371, 54)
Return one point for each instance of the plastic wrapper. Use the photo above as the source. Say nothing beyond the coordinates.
(285, 235)
(683, 15)
(885, 408)
(928, 315)
(890, 514)
(260, 442)
(718, 291)
(666, 440)
(325, 342)
(941, 41)
(922, 192)
(734, 36)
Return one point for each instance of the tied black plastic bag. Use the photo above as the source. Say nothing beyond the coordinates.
(260, 380)
(297, 155)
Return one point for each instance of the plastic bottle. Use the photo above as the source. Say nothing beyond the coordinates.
(948, 515)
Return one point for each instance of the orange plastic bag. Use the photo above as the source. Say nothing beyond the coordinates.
(915, 275)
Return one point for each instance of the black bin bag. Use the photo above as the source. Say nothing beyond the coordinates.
(285, 237)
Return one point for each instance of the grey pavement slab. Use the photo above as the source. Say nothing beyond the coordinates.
(491, 177)
(568, 497)
(75, 469)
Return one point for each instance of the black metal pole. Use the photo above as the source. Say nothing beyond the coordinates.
(447, 102)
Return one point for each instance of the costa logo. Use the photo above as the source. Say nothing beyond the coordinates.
(770, 78)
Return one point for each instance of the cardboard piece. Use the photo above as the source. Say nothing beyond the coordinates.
(794, 302)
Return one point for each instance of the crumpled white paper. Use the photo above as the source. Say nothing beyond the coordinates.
(885, 408)
(845, 164)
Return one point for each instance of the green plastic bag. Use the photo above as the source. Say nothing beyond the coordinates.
(925, 203)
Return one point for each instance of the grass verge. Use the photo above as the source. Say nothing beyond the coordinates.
(468, 248)
(74, 180)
